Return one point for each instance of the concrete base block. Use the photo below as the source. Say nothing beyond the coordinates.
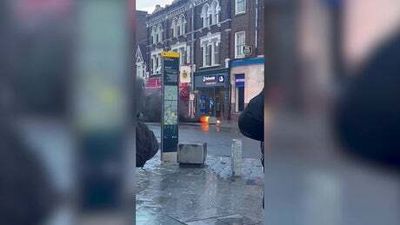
(192, 153)
(169, 157)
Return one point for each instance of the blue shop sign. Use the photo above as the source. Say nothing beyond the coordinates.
(239, 80)
(216, 78)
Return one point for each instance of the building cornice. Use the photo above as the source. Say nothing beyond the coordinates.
(170, 12)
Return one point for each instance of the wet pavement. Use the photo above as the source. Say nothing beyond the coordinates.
(169, 194)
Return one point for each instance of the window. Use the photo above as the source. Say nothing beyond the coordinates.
(205, 15)
(154, 35)
(183, 56)
(178, 26)
(174, 28)
(155, 62)
(214, 12)
(208, 54)
(182, 25)
(216, 53)
(240, 6)
(153, 65)
(211, 54)
(159, 33)
(239, 44)
(188, 54)
(210, 47)
(139, 70)
(183, 51)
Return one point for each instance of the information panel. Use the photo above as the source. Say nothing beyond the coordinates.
(169, 125)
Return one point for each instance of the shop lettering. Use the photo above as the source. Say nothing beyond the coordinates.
(209, 79)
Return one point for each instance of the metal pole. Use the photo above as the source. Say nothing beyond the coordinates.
(256, 28)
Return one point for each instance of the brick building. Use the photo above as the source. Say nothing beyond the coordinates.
(211, 36)
(247, 64)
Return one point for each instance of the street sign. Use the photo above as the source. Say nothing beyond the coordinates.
(170, 93)
(247, 50)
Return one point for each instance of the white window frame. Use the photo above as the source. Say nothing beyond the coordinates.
(210, 40)
(216, 49)
(156, 61)
(160, 33)
(188, 54)
(174, 27)
(205, 15)
(153, 34)
(214, 12)
(182, 23)
(182, 49)
(242, 55)
(243, 11)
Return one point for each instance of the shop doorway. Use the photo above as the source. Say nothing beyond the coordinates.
(211, 102)
(240, 99)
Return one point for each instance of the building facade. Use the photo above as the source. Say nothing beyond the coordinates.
(141, 60)
(247, 64)
(210, 35)
(212, 54)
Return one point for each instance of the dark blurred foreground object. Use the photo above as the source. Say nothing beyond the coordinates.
(146, 144)
(26, 196)
(251, 121)
(368, 114)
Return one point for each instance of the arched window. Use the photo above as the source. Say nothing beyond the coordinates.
(159, 33)
(154, 34)
(182, 24)
(174, 26)
(214, 12)
(205, 15)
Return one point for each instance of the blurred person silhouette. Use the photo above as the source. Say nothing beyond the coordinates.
(146, 144)
(368, 113)
(251, 121)
(146, 141)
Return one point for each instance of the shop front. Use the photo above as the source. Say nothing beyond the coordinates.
(246, 82)
(212, 93)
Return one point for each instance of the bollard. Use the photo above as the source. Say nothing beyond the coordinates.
(236, 157)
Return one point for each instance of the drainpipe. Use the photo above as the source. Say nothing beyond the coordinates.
(192, 47)
(256, 29)
(192, 61)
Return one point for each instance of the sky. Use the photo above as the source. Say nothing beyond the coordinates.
(149, 5)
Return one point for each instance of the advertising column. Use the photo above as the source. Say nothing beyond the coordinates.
(169, 117)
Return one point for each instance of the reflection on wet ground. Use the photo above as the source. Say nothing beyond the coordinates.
(169, 194)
